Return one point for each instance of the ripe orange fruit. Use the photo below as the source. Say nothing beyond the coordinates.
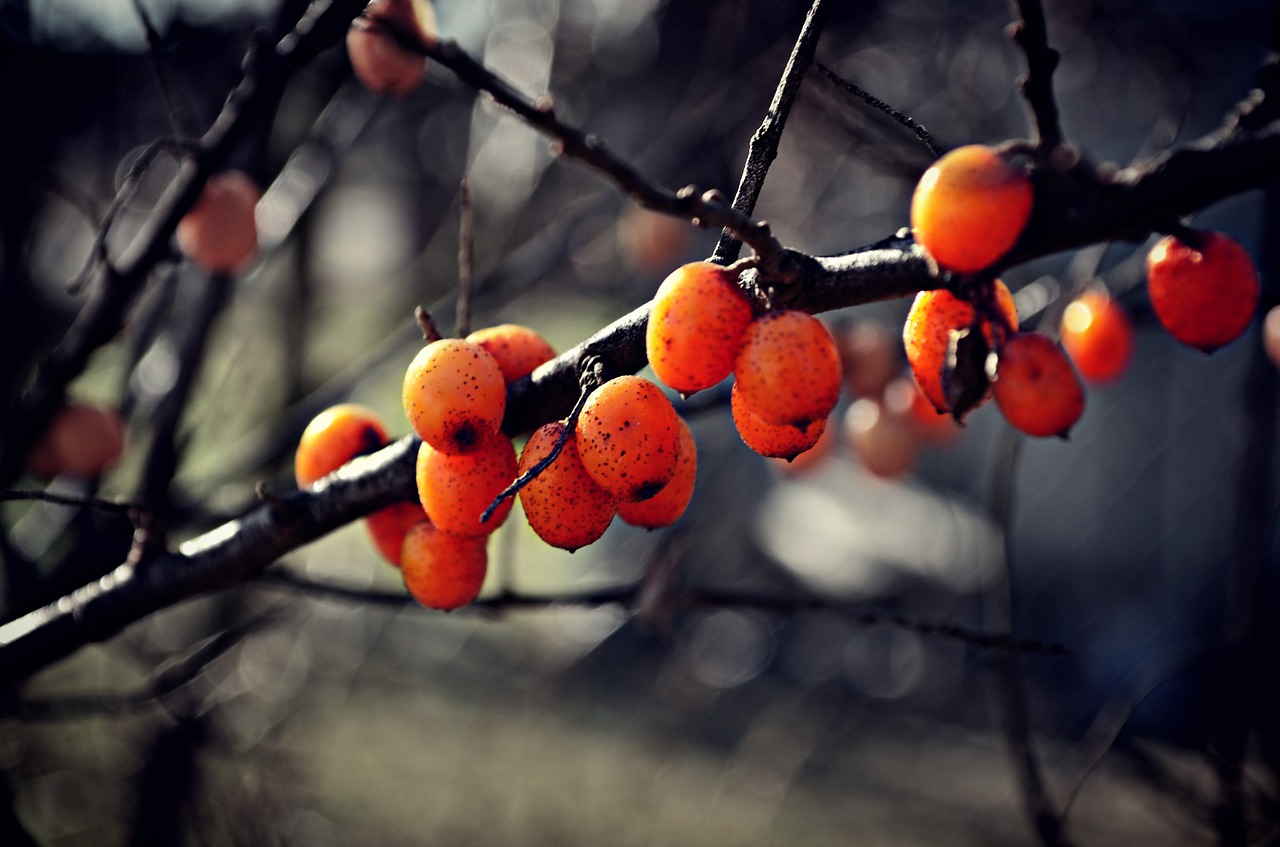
(454, 393)
(378, 61)
(388, 528)
(628, 436)
(926, 335)
(456, 489)
(334, 437)
(81, 440)
(696, 326)
(220, 233)
(442, 570)
(885, 442)
(666, 507)
(1036, 388)
(1097, 335)
(788, 369)
(563, 504)
(516, 348)
(1204, 297)
(772, 440)
(970, 207)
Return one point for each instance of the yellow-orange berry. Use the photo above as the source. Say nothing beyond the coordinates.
(334, 437)
(442, 570)
(696, 326)
(1204, 296)
(388, 527)
(453, 394)
(220, 232)
(456, 490)
(516, 348)
(377, 59)
(81, 440)
(666, 507)
(789, 368)
(773, 440)
(1096, 333)
(926, 335)
(1036, 388)
(628, 436)
(563, 504)
(970, 207)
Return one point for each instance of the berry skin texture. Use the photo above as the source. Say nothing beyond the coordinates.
(441, 570)
(81, 440)
(1204, 297)
(220, 233)
(455, 490)
(667, 506)
(1098, 336)
(696, 325)
(563, 504)
(1036, 388)
(934, 315)
(388, 528)
(970, 207)
(628, 436)
(517, 349)
(772, 440)
(788, 369)
(453, 394)
(334, 437)
(381, 64)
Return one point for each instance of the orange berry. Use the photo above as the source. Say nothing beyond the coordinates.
(563, 504)
(334, 437)
(1204, 297)
(1271, 335)
(517, 349)
(628, 436)
(442, 570)
(81, 440)
(666, 507)
(453, 393)
(378, 61)
(885, 442)
(220, 232)
(772, 440)
(926, 335)
(868, 357)
(1036, 388)
(1097, 335)
(388, 528)
(811, 458)
(696, 326)
(456, 490)
(789, 368)
(970, 207)
(649, 241)
(904, 398)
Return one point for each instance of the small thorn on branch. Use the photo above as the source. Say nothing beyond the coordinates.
(428, 326)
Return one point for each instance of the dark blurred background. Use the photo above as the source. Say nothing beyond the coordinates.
(324, 720)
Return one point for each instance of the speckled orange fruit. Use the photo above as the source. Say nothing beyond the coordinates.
(516, 348)
(1204, 297)
(456, 490)
(442, 570)
(1098, 336)
(970, 207)
(667, 506)
(220, 232)
(334, 437)
(934, 315)
(81, 440)
(378, 61)
(696, 326)
(388, 527)
(628, 436)
(453, 394)
(773, 440)
(1036, 388)
(789, 368)
(563, 504)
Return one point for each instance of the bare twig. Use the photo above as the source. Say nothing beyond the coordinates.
(466, 260)
(874, 102)
(1032, 36)
(102, 504)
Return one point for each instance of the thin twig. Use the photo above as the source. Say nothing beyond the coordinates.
(1032, 36)
(874, 102)
(466, 260)
(119, 507)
